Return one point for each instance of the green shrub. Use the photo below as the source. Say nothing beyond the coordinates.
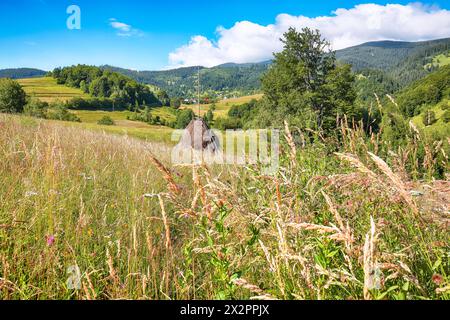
(106, 121)
(36, 108)
(175, 103)
(429, 118)
(59, 111)
(12, 96)
(446, 116)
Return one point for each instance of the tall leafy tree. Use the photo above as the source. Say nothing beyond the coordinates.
(12, 96)
(209, 117)
(183, 118)
(305, 83)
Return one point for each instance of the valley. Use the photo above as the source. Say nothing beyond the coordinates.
(95, 206)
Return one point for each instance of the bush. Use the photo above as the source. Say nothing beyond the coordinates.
(209, 117)
(106, 121)
(12, 96)
(36, 108)
(446, 116)
(429, 118)
(445, 105)
(175, 103)
(58, 111)
(395, 129)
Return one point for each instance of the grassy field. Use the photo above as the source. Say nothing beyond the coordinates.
(223, 106)
(89, 215)
(122, 126)
(439, 61)
(46, 89)
(440, 127)
(165, 113)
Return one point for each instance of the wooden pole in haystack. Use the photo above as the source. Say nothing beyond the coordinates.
(197, 135)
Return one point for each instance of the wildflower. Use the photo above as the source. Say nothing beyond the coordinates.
(437, 279)
(29, 194)
(85, 176)
(50, 240)
(54, 192)
(349, 204)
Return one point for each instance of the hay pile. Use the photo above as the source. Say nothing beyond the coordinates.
(199, 137)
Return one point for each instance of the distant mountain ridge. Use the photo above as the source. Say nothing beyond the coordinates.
(182, 82)
(384, 55)
(400, 60)
(21, 73)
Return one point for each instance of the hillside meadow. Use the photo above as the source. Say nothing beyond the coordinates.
(122, 126)
(223, 106)
(46, 89)
(335, 222)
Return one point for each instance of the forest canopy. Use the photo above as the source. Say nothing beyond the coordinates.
(123, 91)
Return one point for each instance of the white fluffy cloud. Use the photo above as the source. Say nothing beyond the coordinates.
(251, 42)
(123, 29)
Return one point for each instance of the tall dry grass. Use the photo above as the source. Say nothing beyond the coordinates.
(328, 225)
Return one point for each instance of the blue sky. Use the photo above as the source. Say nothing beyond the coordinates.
(150, 35)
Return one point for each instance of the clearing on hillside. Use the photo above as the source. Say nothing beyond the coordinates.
(439, 61)
(122, 126)
(46, 89)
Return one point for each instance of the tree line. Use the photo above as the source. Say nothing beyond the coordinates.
(120, 91)
(13, 99)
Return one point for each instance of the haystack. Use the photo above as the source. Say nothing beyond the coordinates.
(199, 137)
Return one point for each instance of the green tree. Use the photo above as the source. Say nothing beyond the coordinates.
(84, 87)
(306, 84)
(209, 117)
(12, 96)
(183, 118)
(163, 97)
(147, 116)
(446, 116)
(175, 103)
(100, 87)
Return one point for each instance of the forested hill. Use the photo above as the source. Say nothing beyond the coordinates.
(426, 93)
(21, 73)
(403, 61)
(385, 55)
(228, 78)
(105, 84)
